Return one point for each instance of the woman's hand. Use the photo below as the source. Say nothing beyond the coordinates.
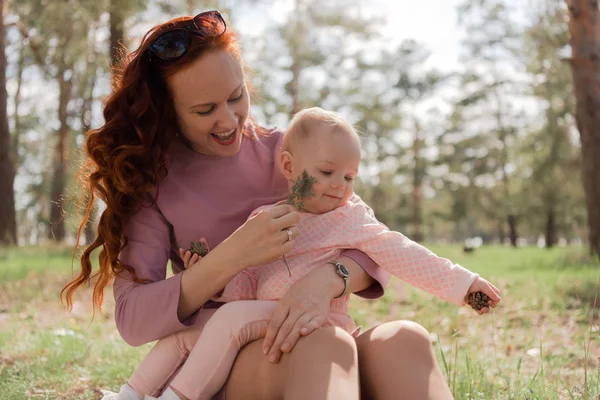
(304, 308)
(263, 237)
(482, 285)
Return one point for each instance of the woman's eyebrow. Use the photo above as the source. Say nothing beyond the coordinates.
(210, 104)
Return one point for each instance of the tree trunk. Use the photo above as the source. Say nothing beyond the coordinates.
(117, 31)
(56, 229)
(501, 234)
(584, 29)
(86, 121)
(292, 89)
(550, 228)
(8, 225)
(292, 86)
(417, 197)
(17, 103)
(512, 229)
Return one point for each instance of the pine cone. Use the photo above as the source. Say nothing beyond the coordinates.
(198, 248)
(478, 300)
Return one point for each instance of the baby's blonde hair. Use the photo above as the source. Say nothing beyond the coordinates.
(307, 120)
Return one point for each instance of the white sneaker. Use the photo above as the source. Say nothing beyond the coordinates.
(108, 395)
(169, 394)
(126, 393)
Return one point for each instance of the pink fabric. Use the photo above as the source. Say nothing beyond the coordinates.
(201, 358)
(167, 356)
(202, 196)
(321, 238)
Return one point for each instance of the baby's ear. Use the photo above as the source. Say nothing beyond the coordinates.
(285, 163)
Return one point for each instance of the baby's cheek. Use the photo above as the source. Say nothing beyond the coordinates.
(348, 193)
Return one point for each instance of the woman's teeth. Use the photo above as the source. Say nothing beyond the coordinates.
(225, 136)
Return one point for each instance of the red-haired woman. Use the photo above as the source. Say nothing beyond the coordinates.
(177, 159)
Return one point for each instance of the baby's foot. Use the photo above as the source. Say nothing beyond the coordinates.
(168, 394)
(126, 393)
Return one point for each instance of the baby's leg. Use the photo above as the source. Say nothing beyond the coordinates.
(233, 326)
(165, 358)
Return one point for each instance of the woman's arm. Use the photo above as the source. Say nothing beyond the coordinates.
(380, 276)
(149, 311)
(218, 267)
(326, 276)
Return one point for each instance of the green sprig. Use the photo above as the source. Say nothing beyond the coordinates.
(301, 190)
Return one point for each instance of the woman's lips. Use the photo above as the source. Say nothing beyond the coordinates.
(224, 140)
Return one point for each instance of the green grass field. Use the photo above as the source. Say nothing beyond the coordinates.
(541, 342)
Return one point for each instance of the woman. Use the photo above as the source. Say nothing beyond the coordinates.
(178, 159)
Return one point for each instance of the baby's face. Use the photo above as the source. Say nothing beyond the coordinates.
(332, 158)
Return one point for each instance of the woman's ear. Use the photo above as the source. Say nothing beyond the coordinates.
(285, 163)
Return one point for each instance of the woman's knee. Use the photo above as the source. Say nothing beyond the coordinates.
(328, 343)
(395, 336)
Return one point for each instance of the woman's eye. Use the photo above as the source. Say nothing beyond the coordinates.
(204, 112)
(326, 173)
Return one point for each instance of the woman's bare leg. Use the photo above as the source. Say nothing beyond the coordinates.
(323, 365)
(397, 361)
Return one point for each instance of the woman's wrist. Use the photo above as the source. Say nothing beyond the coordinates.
(333, 284)
(231, 257)
(325, 280)
(359, 279)
(205, 278)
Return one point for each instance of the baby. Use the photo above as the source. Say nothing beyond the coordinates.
(322, 151)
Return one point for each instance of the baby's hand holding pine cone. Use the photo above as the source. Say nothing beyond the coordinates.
(196, 251)
(482, 296)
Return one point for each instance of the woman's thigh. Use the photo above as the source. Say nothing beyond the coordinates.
(326, 355)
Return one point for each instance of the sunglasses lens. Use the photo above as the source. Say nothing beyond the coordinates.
(170, 45)
(210, 24)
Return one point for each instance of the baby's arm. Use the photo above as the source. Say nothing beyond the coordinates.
(407, 259)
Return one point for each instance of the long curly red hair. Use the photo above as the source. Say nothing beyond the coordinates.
(125, 158)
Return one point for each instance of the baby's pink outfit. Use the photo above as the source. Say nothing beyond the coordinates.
(320, 238)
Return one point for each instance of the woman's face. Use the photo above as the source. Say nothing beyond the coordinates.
(211, 103)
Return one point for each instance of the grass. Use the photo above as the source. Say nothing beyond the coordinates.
(541, 342)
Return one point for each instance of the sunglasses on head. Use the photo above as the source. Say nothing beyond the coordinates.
(173, 43)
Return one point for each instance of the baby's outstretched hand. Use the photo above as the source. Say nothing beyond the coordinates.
(476, 297)
(194, 253)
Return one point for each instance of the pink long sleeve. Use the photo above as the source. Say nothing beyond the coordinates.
(148, 311)
(379, 274)
(401, 256)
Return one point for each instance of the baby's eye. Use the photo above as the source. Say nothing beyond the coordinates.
(326, 173)
(238, 98)
(349, 178)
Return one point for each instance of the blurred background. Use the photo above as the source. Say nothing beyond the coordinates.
(467, 108)
(480, 122)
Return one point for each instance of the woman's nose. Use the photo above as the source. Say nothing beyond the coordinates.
(227, 117)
